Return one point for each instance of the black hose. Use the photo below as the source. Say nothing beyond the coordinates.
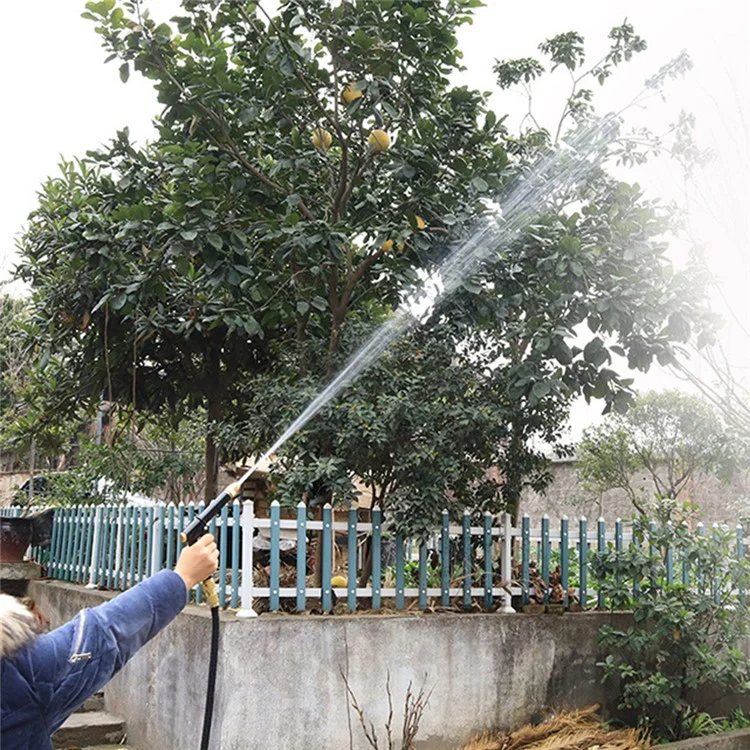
(212, 663)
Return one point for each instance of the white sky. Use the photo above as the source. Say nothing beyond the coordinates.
(60, 99)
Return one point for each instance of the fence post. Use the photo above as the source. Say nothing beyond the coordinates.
(669, 558)
(125, 547)
(376, 556)
(445, 559)
(78, 531)
(53, 544)
(700, 531)
(400, 571)
(714, 580)
(525, 558)
(583, 561)
(119, 546)
(112, 532)
(63, 545)
(636, 583)
(236, 508)
(487, 559)
(75, 533)
(150, 540)
(142, 520)
(685, 561)
(545, 556)
(68, 549)
(741, 555)
(618, 546)
(133, 544)
(273, 583)
(564, 559)
(466, 539)
(423, 575)
(157, 539)
(224, 536)
(507, 567)
(83, 547)
(170, 536)
(652, 551)
(94, 567)
(601, 546)
(351, 560)
(198, 588)
(327, 541)
(180, 511)
(246, 590)
(302, 556)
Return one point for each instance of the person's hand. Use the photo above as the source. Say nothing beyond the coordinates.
(198, 562)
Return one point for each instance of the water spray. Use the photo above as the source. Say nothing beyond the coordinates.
(564, 166)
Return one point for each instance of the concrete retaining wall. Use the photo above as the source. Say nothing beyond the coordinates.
(280, 686)
(739, 740)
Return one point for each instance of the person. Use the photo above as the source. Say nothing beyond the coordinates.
(44, 678)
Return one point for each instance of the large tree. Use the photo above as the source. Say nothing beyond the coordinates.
(309, 168)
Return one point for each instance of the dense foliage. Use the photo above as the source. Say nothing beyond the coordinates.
(310, 167)
(683, 651)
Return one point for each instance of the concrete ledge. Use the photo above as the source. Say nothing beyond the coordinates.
(90, 728)
(280, 685)
(738, 740)
(20, 571)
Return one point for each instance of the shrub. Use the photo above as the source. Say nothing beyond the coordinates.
(685, 637)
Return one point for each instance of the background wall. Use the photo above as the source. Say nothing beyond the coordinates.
(280, 686)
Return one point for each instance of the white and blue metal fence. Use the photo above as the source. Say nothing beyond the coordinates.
(116, 546)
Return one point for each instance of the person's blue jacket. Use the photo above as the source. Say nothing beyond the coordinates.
(46, 680)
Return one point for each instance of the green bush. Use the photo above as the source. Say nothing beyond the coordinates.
(685, 638)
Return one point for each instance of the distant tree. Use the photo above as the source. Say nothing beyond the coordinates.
(14, 349)
(672, 436)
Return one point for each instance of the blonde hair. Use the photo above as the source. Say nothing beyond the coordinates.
(18, 625)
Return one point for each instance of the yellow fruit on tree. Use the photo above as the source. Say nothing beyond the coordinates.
(338, 582)
(387, 246)
(420, 222)
(379, 140)
(322, 139)
(350, 94)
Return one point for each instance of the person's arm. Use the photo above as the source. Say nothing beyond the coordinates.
(94, 646)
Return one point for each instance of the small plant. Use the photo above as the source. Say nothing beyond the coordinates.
(414, 706)
(685, 637)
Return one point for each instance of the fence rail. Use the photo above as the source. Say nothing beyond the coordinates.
(267, 560)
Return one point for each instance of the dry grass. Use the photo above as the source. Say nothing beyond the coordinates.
(576, 730)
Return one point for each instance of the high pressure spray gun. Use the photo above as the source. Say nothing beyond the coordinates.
(194, 531)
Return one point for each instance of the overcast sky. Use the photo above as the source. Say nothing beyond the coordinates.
(60, 100)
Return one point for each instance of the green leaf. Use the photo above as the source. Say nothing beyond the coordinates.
(124, 72)
(253, 327)
(188, 234)
(480, 184)
(541, 389)
(215, 240)
(118, 301)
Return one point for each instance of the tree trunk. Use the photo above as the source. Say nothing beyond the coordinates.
(366, 571)
(212, 450)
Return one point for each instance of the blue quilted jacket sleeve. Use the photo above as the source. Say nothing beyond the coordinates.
(48, 679)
